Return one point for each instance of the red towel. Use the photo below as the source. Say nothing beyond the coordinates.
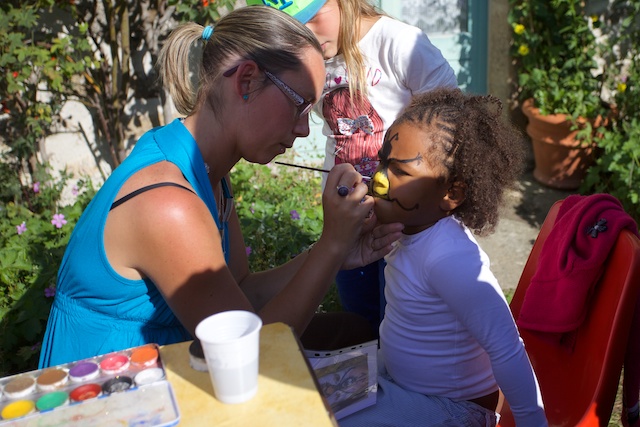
(571, 262)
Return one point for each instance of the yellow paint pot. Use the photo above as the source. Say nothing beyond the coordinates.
(17, 409)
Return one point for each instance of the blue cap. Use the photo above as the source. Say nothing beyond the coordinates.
(302, 10)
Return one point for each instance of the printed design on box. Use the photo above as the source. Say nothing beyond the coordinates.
(348, 378)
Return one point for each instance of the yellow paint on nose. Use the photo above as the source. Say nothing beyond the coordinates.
(380, 186)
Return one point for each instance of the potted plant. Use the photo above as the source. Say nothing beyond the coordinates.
(558, 85)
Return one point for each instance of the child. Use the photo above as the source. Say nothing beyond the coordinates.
(374, 65)
(448, 339)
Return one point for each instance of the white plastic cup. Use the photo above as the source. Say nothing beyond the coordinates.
(231, 344)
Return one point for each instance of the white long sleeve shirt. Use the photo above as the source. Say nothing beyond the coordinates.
(447, 329)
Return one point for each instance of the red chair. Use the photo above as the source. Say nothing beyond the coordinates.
(579, 387)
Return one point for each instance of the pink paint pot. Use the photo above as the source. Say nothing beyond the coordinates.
(114, 364)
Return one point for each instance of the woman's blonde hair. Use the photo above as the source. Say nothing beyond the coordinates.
(351, 12)
(271, 38)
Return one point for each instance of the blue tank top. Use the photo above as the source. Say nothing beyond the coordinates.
(97, 311)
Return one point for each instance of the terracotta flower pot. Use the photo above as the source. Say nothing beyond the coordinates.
(561, 161)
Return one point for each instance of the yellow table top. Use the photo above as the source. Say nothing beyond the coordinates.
(287, 393)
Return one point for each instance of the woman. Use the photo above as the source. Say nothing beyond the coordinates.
(160, 246)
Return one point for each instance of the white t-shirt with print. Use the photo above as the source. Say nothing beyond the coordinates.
(401, 61)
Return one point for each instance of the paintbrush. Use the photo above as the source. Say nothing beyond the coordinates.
(364, 178)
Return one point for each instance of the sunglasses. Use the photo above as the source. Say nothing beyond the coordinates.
(303, 106)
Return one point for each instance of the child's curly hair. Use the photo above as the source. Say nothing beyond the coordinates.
(476, 146)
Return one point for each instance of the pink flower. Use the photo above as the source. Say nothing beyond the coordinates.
(58, 220)
(248, 250)
(74, 190)
(21, 228)
(36, 187)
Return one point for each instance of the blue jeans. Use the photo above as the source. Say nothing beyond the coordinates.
(361, 291)
(396, 406)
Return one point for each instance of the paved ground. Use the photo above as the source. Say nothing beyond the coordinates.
(522, 216)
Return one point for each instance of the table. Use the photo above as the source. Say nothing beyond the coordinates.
(287, 391)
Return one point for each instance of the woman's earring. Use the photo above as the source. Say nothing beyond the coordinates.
(245, 96)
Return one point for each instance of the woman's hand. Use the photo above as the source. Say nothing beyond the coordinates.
(349, 222)
(345, 208)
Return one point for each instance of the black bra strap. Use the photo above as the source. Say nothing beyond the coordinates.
(147, 188)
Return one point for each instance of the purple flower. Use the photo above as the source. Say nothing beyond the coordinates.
(248, 250)
(50, 291)
(74, 190)
(21, 228)
(58, 220)
(36, 187)
(295, 215)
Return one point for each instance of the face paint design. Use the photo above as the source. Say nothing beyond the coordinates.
(380, 184)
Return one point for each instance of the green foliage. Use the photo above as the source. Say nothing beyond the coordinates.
(203, 12)
(31, 249)
(37, 73)
(52, 51)
(554, 52)
(280, 211)
(617, 169)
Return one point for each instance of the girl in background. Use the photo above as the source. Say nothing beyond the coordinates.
(374, 65)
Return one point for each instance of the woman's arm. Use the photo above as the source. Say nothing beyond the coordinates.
(169, 236)
(374, 243)
(293, 291)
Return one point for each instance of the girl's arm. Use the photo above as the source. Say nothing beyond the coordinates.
(474, 294)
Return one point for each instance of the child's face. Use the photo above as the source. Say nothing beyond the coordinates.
(407, 186)
(326, 27)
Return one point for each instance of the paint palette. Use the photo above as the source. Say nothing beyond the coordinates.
(122, 388)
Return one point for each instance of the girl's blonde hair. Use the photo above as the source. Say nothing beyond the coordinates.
(351, 13)
(271, 38)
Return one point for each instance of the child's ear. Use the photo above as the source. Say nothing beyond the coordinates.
(454, 197)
